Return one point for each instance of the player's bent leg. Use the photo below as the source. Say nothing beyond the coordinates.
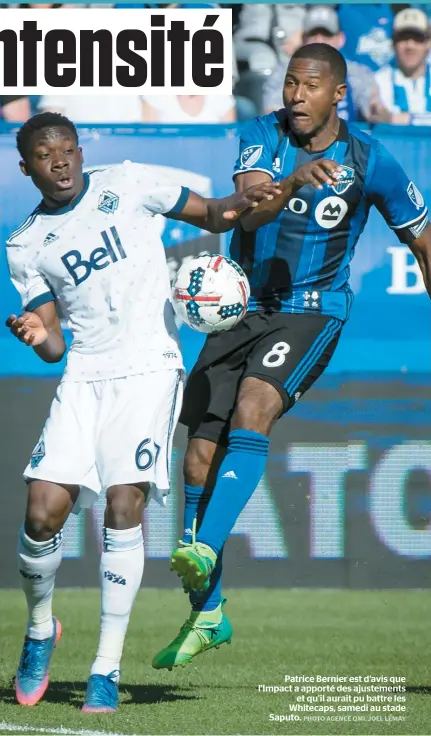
(39, 556)
(282, 365)
(121, 570)
(258, 406)
(207, 627)
(198, 461)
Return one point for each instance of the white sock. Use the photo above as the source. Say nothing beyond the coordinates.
(121, 570)
(38, 562)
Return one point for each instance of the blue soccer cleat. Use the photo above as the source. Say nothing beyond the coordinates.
(102, 693)
(32, 677)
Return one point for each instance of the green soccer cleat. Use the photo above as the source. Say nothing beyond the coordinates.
(194, 563)
(203, 630)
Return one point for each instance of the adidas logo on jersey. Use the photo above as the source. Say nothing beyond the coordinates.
(230, 474)
(80, 269)
(50, 238)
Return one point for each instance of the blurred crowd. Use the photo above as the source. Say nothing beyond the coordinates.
(386, 47)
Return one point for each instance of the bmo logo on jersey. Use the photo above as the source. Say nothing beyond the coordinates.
(80, 268)
(328, 213)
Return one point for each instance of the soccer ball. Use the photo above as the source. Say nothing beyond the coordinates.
(210, 293)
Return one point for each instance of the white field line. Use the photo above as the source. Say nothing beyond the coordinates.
(13, 728)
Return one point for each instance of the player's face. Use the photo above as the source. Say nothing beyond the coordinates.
(310, 95)
(411, 50)
(54, 163)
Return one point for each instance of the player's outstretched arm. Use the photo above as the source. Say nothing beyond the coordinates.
(421, 249)
(220, 215)
(317, 173)
(40, 330)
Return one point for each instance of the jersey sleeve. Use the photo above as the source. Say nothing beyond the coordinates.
(255, 149)
(396, 196)
(32, 287)
(156, 191)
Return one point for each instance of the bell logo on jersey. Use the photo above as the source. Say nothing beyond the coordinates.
(345, 180)
(80, 269)
(250, 156)
(108, 202)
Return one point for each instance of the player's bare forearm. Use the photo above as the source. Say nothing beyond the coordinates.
(421, 248)
(220, 215)
(206, 214)
(40, 330)
(53, 349)
(317, 173)
(215, 220)
(268, 210)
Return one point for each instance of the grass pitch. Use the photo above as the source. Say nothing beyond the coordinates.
(276, 632)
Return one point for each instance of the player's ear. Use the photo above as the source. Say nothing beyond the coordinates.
(340, 93)
(23, 168)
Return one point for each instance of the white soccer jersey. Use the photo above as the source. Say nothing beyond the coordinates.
(103, 262)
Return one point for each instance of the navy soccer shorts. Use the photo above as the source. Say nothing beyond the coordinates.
(289, 351)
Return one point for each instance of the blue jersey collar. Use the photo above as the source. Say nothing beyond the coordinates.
(43, 209)
(343, 131)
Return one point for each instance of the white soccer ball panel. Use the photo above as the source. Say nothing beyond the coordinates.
(210, 293)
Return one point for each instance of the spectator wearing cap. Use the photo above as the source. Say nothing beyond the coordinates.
(321, 25)
(405, 84)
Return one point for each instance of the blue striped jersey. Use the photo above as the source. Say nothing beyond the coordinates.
(399, 93)
(299, 262)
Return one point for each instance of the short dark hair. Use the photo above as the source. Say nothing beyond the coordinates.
(324, 52)
(38, 122)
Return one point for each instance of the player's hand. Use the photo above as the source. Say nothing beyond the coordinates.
(317, 173)
(251, 197)
(28, 328)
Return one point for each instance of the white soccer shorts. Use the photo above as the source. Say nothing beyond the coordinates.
(104, 433)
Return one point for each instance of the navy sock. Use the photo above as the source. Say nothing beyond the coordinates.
(237, 479)
(196, 501)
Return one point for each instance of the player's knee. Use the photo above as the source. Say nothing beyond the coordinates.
(46, 512)
(124, 505)
(258, 407)
(198, 460)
